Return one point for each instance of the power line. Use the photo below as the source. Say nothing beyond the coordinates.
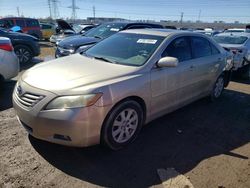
(74, 7)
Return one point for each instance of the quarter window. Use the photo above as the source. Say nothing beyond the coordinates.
(180, 49)
(200, 47)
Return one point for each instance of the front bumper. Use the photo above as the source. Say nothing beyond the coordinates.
(77, 127)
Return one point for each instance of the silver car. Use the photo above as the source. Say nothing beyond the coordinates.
(9, 65)
(239, 45)
(108, 93)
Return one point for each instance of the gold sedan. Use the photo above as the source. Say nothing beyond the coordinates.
(47, 30)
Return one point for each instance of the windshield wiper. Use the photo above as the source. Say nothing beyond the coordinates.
(105, 59)
(98, 37)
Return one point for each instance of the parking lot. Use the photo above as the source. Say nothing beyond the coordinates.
(207, 142)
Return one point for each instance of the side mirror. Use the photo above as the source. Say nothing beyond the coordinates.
(168, 62)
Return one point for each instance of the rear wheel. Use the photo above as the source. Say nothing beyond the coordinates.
(23, 53)
(218, 88)
(122, 125)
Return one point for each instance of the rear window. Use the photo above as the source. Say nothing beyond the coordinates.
(230, 39)
(32, 23)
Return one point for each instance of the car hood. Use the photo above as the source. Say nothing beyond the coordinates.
(72, 72)
(64, 25)
(76, 41)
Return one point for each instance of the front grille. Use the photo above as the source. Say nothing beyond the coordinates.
(28, 99)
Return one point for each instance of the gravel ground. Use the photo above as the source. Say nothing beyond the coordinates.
(207, 142)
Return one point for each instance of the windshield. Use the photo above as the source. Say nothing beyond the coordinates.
(126, 48)
(234, 31)
(105, 30)
(77, 28)
(230, 39)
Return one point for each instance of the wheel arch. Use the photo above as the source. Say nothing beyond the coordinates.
(26, 45)
(137, 99)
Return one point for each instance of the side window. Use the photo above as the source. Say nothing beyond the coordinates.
(43, 26)
(200, 47)
(32, 23)
(180, 49)
(214, 49)
(138, 27)
(7, 23)
(20, 23)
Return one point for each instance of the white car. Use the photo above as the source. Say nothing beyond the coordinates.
(9, 64)
(239, 45)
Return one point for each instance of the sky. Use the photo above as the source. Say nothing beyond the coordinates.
(209, 10)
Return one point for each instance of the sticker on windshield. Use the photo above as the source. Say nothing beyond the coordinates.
(114, 29)
(147, 41)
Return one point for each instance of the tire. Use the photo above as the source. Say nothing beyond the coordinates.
(218, 88)
(122, 125)
(1, 83)
(23, 53)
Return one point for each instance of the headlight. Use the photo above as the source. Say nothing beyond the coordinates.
(83, 48)
(76, 101)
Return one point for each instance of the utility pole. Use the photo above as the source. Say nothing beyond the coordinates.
(199, 17)
(50, 11)
(182, 14)
(94, 13)
(55, 8)
(18, 12)
(73, 7)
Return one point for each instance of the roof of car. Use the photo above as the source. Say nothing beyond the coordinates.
(159, 32)
(6, 18)
(243, 34)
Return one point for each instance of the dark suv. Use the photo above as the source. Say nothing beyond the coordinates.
(28, 25)
(79, 43)
(25, 46)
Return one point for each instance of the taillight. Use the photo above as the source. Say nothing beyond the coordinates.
(6, 47)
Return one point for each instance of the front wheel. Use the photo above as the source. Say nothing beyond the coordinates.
(122, 125)
(218, 88)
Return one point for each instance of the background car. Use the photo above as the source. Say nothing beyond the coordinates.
(79, 43)
(64, 30)
(239, 45)
(47, 30)
(109, 92)
(9, 65)
(28, 25)
(25, 46)
(235, 30)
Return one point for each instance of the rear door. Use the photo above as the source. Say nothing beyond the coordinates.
(206, 61)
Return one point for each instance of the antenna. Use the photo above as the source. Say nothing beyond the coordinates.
(74, 7)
